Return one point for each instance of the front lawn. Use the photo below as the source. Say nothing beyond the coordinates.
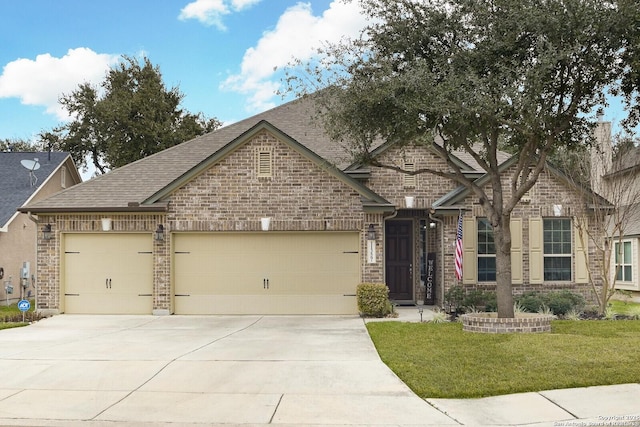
(625, 308)
(439, 360)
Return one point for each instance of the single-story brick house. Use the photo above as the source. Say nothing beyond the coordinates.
(268, 216)
(26, 177)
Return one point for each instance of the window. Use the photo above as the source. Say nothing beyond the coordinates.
(486, 252)
(557, 249)
(624, 269)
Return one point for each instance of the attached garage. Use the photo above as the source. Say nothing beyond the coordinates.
(108, 273)
(266, 273)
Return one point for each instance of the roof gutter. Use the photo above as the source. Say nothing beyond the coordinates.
(132, 207)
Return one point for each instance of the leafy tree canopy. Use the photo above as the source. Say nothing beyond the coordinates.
(130, 116)
(630, 86)
(17, 144)
(476, 75)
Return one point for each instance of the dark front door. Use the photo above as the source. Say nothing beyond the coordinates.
(399, 259)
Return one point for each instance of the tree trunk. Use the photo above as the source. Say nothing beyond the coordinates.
(504, 288)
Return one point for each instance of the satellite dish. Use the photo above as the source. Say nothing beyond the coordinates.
(31, 165)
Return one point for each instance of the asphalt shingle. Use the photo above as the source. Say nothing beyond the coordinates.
(138, 181)
(16, 181)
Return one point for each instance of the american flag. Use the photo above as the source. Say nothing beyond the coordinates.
(459, 248)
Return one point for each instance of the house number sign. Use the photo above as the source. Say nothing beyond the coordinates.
(371, 251)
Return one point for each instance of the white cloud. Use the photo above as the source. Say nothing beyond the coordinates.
(210, 12)
(42, 81)
(297, 34)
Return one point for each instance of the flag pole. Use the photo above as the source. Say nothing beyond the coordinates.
(459, 250)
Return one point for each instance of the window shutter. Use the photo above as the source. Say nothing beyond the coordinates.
(469, 247)
(516, 251)
(582, 272)
(536, 256)
(634, 264)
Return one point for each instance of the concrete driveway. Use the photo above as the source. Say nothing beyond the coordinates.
(132, 370)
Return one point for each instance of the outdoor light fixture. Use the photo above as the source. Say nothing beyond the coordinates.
(420, 311)
(160, 233)
(106, 224)
(46, 232)
(371, 233)
(409, 201)
(432, 225)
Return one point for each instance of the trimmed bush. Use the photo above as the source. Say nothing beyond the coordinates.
(562, 302)
(559, 302)
(461, 299)
(454, 298)
(373, 299)
(478, 299)
(531, 302)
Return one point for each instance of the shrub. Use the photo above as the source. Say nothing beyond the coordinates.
(562, 302)
(454, 298)
(439, 316)
(478, 299)
(492, 303)
(373, 299)
(530, 302)
(573, 314)
(559, 302)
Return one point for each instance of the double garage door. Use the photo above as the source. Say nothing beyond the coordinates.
(266, 273)
(215, 273)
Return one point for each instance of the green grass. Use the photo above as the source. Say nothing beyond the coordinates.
(440, 360)
(626, 308)
(10, 316)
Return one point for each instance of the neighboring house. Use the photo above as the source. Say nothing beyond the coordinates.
(268, 216)
(26, 177)
(619, 181)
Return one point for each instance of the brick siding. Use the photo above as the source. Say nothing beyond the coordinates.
(299, 196)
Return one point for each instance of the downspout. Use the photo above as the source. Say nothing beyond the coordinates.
(31, 217)
(432, 211)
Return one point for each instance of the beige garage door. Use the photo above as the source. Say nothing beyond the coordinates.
(266, 273)
(108, 273)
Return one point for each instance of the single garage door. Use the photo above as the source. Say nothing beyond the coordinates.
(266, 273)
(108, 273)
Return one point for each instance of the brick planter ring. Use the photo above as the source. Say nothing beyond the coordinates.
(489, 323)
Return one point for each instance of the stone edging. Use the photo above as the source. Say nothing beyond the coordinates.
(489, 323)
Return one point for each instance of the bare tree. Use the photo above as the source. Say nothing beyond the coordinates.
(610, 213)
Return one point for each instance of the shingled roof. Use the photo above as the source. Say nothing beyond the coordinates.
(17, 184)
(124, 188)
(128, 187)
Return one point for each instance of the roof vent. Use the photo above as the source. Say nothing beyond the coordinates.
(264, 162)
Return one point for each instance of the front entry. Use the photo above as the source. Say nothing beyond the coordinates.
(399, 259)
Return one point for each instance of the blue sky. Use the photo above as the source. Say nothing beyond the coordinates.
(220, 53)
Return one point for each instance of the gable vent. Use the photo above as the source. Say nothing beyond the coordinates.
(409, 180)
(264, 162)
(63, 177)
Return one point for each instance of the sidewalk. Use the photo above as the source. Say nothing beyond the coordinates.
(616, 405)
